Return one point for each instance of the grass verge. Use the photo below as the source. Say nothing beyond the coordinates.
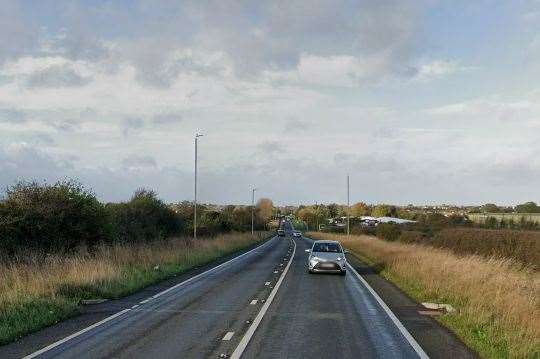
(497, 300)
(38, 291)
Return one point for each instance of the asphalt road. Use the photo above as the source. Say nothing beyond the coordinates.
(264, 304)
(326, 316)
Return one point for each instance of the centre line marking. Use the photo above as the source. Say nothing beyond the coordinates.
(253, 327)
(228, 336)
(120, 313)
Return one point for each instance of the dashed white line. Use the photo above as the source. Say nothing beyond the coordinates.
(253, 327)
(82, 331)
(253, 302)
(267, 283)
(228, 336)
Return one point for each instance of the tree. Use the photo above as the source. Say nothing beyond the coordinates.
(359, 209)
(381, 210)
(52, 218)
(333, 210)
(490, 208)
(265, 209)
(528, 207)
(309, 216)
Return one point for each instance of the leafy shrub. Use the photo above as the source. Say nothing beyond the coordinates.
(54, 218)
(412, 237)
(388, 231)
(144, 218)
(523, 246)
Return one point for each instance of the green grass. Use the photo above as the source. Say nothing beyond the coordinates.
(32, 314)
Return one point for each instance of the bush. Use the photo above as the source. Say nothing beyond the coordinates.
(360, 229)
(388, 231)
(54, 218)
(523, 246)
(412, 237)
(143, 218)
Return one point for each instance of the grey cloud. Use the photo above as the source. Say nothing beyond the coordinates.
(130, 124)
(28, 163)
(270, 148)
(65, 125)
(256, 36)
(57, 76)
(373, 161)
(11, 115)
(137, 162)
(155, 68)
(17, 31)
(295, 125)
(166, 119)
(40, 138)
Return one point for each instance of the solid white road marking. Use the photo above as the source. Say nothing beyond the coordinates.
(53, 345)
(95, 325)
(228, 336)
(417, 348)
(253, 302)
(253, 327)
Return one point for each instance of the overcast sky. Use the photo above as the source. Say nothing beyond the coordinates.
(419, 101)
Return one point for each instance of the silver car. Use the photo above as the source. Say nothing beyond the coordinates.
(327, 256)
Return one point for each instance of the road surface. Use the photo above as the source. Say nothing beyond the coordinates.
(262, 304)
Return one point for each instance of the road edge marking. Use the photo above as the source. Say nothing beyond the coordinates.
(114, 316)
(253, 327)
(414, 344)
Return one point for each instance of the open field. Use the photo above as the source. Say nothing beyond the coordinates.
(497, 300)
(481, 217)
(38, 291)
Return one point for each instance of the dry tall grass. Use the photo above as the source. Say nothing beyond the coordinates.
(36, 291)
(498, 300)
(523, 246)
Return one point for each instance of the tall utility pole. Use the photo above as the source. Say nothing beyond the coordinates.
(348, 210)
(252, 209)
(195, 205)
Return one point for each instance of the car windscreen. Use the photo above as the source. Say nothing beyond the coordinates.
(326, 247)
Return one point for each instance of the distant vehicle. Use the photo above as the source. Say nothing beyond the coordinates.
(281, 232)
(297, 234)
(327, 256)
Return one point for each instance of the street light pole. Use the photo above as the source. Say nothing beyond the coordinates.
(348, 210)
(252, 209)
(195, 190)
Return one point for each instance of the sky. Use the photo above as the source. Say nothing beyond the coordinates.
(420, 102)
